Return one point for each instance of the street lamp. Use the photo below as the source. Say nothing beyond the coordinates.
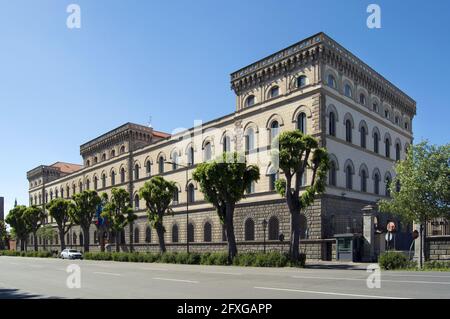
(264, 224)
(187, 200)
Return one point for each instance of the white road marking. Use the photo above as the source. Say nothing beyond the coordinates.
(157, 269)
(415, 275)
(382, 280)
(35, 266)
(221, 273)
(107, 273)
(178, 280)
(329, 293)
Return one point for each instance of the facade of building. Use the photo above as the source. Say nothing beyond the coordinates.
(315, 85)
(2, 208)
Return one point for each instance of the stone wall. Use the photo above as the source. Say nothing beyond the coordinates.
(438, 247)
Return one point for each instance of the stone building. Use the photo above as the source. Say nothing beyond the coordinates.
(2, 208)
(315, 85)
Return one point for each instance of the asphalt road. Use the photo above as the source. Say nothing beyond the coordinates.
(47, 278)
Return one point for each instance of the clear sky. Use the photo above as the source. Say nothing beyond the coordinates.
(171, 60)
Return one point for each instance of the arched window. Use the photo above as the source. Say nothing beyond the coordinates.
(349, 177)
(190, 231)
(80, 187)
(88, 163)
(136, 235)
(175, 160)
(388, 186)
(51, 195)
(250, 188)
(362, 99)
(175, 196)
(136, 171)
(95, 184)
(332, 180)
(104, 157)
(161, 164)
(348, 131)
(274, 129)
(387, 146)
(375, 142)
(348, 91)
(272, 180)
(274, 92)
(207, 152)
(302, 81)
(397, 151)
(148, 168)
(62, 194)
(207, 232)
(250, 140)
(175, 233)
(113, 153)
(148, 234)
(113, 178)
(122, 149)
(226, 144)
(95, 160)
(274, 228)
(363, 137)
(301, 122)
(332, 124)
(81, 239)
(88, 184)
(375, 107)
(363, 181)
(191, 193)
(190, 156)
(249, 229)
(103, 181)
(250, 101)
(136, 201)
(68, 239)
(74, 239)
(122, 175)
(331, 81)
(376, 183)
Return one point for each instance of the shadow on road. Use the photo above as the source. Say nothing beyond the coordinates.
(16, 294)
(335, 266)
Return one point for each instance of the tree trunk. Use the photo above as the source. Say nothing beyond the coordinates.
(231, 239)
(101, 239)
(131, 236)
(118, 239)
(61, 239)
(295, 236)
(87, 238)
(160, 232)
(35, 242)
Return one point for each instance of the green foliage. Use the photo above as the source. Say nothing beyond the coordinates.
(84, 208)
(393, 260)
(46, 232)
(225, 180)
(437, 265)
(38, 254)
(116, 208)
(271, 259)
(425, 188)
(3, 233)
(34, 217)
(158, 194)
(17, 220)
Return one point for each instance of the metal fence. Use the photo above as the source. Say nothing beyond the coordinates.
(438, 227)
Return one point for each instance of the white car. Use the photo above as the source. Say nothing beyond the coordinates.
(71, 254)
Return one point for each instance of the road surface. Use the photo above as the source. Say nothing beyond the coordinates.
(47, 278)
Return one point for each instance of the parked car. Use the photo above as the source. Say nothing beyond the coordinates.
(71, 254)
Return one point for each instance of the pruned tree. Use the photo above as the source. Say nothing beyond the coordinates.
(59, 209)
(158, 194)
(420, 190)
(3, 235)
(83, 212)
(116, 210)
(296, 153)
(46, 232)
(223, 183)
(34, 217)
(16, 219)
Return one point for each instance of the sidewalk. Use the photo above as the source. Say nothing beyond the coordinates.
(336, 265)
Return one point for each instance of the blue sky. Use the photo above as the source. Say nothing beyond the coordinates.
(171, 60)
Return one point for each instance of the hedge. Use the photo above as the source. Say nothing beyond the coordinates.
(39, 254)
(393, 260)
(271, 259)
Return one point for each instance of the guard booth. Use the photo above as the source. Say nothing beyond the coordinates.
(349, 247)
